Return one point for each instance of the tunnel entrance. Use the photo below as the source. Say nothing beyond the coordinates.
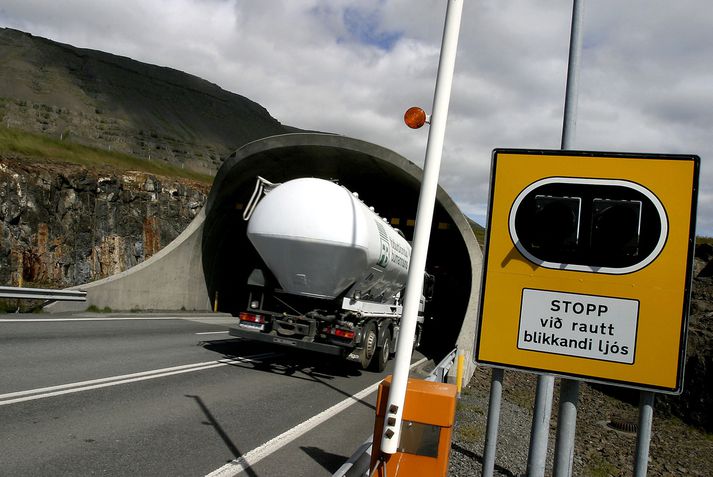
(383, 179)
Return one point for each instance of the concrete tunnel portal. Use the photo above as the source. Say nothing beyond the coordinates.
(385, 180)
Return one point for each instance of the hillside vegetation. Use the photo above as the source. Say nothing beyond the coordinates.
(38, 146)
(115, 103)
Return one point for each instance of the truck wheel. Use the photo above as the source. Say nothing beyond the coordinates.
(378, 364)
(369, 341)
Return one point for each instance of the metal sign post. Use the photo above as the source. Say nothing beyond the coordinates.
(545, 383)
(540, 431)
(643, 438)
(424, 217)
(569, 388)
(491, 429)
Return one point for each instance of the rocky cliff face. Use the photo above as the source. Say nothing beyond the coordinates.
(695, 405)
(63, 224)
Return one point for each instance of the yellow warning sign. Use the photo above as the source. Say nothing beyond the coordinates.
(587, 266)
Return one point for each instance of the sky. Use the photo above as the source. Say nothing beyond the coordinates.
(353, 67)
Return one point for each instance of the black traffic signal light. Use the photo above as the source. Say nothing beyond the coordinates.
(616, 229)
(556, 232)
(588, 225)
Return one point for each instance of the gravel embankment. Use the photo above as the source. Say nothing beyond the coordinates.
(600, 451)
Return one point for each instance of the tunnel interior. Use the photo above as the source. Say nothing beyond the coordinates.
(383, 179)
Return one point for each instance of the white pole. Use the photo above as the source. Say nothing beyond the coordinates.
(422, 231)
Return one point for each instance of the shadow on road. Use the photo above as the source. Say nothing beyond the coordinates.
(331, 462)
(211, 421)
(295, 364)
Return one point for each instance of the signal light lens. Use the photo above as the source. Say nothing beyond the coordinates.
(557, 220)
(616, 228)
(252, 317)
(415, 117)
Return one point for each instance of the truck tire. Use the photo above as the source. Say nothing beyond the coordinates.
(378, 363)
(369, 342)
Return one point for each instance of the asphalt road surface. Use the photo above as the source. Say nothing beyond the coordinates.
(171, 395)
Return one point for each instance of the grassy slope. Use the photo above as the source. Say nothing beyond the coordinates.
(39, 146)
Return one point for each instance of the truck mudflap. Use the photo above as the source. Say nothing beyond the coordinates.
(294, 343)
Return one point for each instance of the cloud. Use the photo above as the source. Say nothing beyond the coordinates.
(354, 66)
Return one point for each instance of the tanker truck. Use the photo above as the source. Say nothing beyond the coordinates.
(332, 273)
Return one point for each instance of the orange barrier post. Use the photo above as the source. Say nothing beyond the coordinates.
(428, 417)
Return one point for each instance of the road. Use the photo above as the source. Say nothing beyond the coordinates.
(171, 395)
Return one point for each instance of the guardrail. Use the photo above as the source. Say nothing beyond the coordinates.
(358, 464)
(440, 372)
(42, 294)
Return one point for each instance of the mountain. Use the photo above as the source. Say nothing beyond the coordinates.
(104, 160)
(112, 102)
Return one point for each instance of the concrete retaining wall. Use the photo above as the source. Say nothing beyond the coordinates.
(170, 280)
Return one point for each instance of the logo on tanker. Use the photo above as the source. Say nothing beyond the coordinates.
(384, 239)
(399, 255)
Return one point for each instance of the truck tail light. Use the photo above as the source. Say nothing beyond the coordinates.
(252, 317)
(344, 333)
(341, 333)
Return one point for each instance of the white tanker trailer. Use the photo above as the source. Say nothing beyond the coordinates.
(334, 273)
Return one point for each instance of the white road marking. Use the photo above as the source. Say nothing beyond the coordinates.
(40, 393)
(105, 318)
(212, 332)
(251, 458)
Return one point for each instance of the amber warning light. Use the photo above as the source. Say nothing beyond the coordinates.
(415, 117)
